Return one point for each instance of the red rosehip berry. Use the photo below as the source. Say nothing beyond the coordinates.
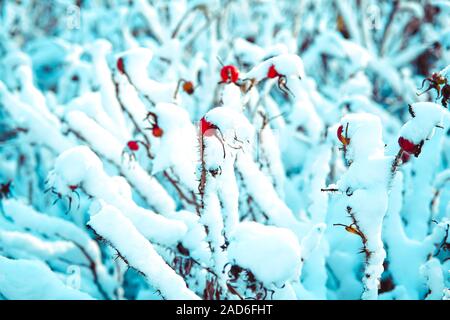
(229, 74)
(120, 65)
(406, 145)
(206, 127)
(188, 87)
(73, 187)
(157, 131)
(133, 145)
(345, 141)
(410, 147)
(272, 73)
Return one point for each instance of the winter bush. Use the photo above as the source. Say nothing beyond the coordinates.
(224, 149)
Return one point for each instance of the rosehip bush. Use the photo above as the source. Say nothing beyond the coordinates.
(224, 150)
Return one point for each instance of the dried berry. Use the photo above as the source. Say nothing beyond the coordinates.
(434, 82)
(188, 87)
(352, 229)
(345, 141)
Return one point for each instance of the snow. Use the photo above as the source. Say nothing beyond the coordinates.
(285, 64)
(273, 254)
(177, 148)
(231, 124)
(139, 253)
(76, 165)
(445, 72)
(41, 129)
(195, 237)
(90, 104)
(106, 145)
(364, 188)
(423, 125)
(87, 172)
(52, 227)
(364, 132)
(28, 280)
(432, 272)
(135, 61)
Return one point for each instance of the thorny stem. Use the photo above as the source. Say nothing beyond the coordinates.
(361, 234)
(201, 186)
(130, 116)
(261, 155)
(444, 245)
(365, 250)
(192, 200)
(250, 199)
(110, 161)
(185, 253)
(147, 141)
(175, 94)
(121, 256)
(397, 161)
(437, 193)
(201, 189)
